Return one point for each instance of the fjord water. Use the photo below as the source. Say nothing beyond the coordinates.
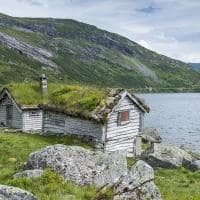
(177, 116)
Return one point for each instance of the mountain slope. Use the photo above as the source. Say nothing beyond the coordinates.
(71, 51)
(195, 66)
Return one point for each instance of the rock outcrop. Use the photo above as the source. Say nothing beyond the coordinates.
(29, 173)
(137, 184)
(167, 156)
(105, 170)
(195, 165)
(151, 135)
(39, 54)
(80, 165)
(14, 193)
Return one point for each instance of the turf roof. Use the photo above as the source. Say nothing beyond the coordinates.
(75, 100)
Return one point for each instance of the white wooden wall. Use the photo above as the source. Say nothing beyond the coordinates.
(32, 122)
(16, 115)
(122, 137)
(58, 123)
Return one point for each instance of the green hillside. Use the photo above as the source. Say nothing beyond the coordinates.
(71, 51)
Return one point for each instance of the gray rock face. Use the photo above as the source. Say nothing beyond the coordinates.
(138, 184)
(80, 165)
(195, 165)
(167, 156)
(151, 135)
(14, 193)
(147, 191)
(142, 172)
(29, 173)
(36, 53)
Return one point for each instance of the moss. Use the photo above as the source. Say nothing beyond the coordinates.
(131, 162)
(73, 98)
(105, 194)
(145, 145)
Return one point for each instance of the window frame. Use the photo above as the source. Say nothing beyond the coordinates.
(122, 123)
(34, 114)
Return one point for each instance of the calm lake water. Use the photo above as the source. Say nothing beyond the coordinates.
(177, 116)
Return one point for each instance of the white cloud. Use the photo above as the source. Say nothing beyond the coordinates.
(145, 44)
(169, 27)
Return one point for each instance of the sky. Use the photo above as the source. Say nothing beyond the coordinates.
(169, 27)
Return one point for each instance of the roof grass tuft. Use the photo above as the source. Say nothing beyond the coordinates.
(74, 98)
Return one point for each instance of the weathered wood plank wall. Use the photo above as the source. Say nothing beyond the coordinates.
(122, 137)
(16, 114)
(59, 123)
(32, 120)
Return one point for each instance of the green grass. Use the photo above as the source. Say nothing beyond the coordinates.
(35, 39)
(174, 184)
(72, 98)
(14, 150)
(51, 187)
(178, 184)
(145, 145)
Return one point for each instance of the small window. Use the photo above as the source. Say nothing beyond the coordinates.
(34, 113)
(123, 117)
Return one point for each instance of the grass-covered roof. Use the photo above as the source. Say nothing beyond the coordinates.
(83, 101)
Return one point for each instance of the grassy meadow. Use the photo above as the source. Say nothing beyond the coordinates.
(179, 184)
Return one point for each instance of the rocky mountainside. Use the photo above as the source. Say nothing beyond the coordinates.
(195, 66)
(71, 51)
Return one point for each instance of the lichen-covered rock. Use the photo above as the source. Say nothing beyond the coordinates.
(29, 173)
(167, 156)
(151, 135)
(195, 165)
(80, 165)
(142, 172)
(14, 193)
(147, 191)
(138, 184)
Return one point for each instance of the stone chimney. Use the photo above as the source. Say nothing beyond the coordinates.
(43, 84)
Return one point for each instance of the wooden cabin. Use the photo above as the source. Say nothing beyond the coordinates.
(12, 115)
(109, 119)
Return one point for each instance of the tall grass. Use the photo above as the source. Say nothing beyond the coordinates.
(14, 150)
(76, 98)
(178, 184)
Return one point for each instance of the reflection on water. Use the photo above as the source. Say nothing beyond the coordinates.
(177, 116)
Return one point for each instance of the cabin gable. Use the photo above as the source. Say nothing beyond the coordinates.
(10, 113)
(123, 126)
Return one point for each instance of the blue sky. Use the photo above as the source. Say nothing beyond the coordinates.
(170, 27)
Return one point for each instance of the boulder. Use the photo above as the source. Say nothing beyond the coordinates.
(80, 165)
(195, 165)
(29, 173)
(166, 156)
(137, 184)
(151, 135)
(142, 172)
(14, 193)
(143, 192)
